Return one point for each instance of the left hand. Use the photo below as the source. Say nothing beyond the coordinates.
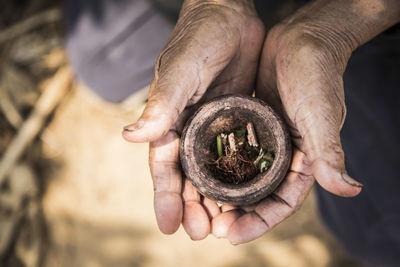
(214, 50)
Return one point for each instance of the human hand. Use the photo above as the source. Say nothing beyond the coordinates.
(300, 75)
(296, 67)
(214, 50)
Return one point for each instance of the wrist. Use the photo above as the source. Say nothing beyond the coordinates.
(350, 23)
(338, 27)
(246, 7)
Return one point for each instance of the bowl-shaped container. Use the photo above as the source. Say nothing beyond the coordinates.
(224, 114)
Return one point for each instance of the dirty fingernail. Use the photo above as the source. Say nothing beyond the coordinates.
(350, 180)
(134, 127)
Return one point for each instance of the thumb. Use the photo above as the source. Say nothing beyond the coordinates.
(176, 77)
(198, 50)
(180, 80)
(324, 149)
(316, 111)
(161, 112)
(321, 142)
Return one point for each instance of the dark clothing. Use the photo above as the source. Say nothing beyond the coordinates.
(369, 224)
(113, 46)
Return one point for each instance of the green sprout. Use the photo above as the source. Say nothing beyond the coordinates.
(219, 146)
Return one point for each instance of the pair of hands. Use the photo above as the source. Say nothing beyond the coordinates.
(219, 47)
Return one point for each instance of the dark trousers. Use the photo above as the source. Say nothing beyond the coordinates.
(369, 224)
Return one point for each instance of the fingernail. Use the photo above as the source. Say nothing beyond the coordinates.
(233, 243)
(134, 127)
(350, 180)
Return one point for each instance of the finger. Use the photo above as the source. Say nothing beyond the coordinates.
(286, 199)
(221, 223)
(246, 208)
(297, 183)
(167, 181)
(195, 218)
(161, 112)
(249, 208)
(272, 210)
(211, 207)
(227, 207)
(335, 180)
(311, 89)
(246, 228)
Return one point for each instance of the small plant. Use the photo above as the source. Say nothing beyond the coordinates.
(239, 157)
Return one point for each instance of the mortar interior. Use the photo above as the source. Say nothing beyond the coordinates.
(226, 121)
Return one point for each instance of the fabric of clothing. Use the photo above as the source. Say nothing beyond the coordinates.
(369, 224)
(113, 44)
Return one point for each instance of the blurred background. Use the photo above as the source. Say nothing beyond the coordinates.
(73, 193)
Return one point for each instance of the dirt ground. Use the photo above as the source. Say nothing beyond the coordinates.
(99, 205)
(80, 195)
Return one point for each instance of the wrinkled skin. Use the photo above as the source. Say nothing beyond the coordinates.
(217, 48)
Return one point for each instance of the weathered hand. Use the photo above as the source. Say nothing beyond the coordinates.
(304, 85)
(214, 50)
(300, 75)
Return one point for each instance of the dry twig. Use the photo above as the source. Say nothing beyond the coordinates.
(9, 110)
(30, 23)
(51, 96)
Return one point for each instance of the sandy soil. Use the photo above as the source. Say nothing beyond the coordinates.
(98, 204)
